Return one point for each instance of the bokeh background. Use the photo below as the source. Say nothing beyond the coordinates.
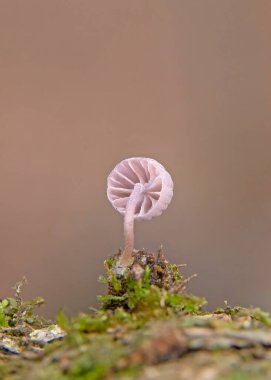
(85, 84)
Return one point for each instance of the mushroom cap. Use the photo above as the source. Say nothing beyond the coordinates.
(157, 186)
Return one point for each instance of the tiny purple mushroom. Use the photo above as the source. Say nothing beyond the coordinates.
(139, 188)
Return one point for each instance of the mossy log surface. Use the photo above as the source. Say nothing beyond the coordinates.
(147, 328)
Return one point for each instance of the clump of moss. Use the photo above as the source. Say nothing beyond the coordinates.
(4, 318)
(149, 285)
(237, 312)
(19, 313)
(149, 288)
(160, 272)
(20, 326)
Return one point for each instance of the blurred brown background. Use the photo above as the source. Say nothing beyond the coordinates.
(84, 84)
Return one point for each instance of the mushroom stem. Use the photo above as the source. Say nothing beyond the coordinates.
(126, 256)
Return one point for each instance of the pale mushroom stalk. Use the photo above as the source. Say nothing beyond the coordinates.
(129, 218)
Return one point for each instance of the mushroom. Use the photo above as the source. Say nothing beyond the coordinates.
(139, 188)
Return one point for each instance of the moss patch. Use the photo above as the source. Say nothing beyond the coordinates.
(146, 321)
(149, 280)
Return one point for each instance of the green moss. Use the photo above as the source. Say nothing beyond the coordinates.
(4, 317)
(190, 304)
(175, 272)
(140, 296)
(116, 283)
(255, 313)
(16, 312)
(260, 315)
(145, 319)
(149, 283)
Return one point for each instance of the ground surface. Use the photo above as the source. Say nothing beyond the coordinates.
(148, 328)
